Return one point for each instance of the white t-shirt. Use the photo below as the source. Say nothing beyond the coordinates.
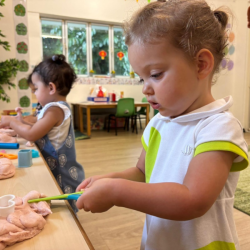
(57, 135)
(170, 145)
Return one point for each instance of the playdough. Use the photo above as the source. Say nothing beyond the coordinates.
(7, 169)
(9, 132)
(4, 138)
(26, 222)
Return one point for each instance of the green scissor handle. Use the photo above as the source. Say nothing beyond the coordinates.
(72, 196)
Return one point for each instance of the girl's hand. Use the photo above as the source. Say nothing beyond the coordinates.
(98, 197)
(19, 116)
(6, 120)
(88, 182)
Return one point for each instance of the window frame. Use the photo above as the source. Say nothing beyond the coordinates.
(88, 41)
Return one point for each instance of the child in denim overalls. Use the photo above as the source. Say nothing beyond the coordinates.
(53, 132)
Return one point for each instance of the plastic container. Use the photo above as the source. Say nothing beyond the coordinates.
(24, 158)
(7, 205)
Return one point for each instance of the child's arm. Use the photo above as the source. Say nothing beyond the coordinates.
(52, 117)
(203, 183)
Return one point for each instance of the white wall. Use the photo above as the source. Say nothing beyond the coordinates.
(113, 11)
(7, 27)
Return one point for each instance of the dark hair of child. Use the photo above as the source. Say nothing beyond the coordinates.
(56, 70)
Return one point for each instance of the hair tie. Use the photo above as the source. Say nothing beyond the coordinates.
(54, 58)
(218, 16)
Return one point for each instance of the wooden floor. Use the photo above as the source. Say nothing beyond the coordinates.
(120, 228)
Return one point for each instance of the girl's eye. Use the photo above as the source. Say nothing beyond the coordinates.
(156, 75)
(141, 80)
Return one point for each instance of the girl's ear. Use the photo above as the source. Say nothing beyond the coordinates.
(205, 63)
(52, 88)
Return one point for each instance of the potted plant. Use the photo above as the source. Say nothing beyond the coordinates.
(8, 68)
(91, 72)
(112, 73)
(132, 74)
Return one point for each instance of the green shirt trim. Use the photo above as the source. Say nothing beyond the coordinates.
(151, 151)
(219, 245)
(225, 146)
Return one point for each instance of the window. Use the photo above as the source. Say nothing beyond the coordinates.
(87, 46)
(52, 38)
(100, 49)
(77, 47)
(121, 63)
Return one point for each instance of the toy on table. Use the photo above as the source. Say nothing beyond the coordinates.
(9, 156)
(24, 158)
(9, 145)
(35, 153)
(100, 92)
(72, 196)
(7, 205)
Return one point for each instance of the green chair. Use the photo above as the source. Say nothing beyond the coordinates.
(142, 112)
(125, 109)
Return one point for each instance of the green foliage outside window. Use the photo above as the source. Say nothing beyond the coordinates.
(52, 38)
(100, 41)
(77, 48)
(121, 66)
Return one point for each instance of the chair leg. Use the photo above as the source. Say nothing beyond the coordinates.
(136, 125)
(128, 118)
(140, 121)
(108, 123)
(115, 126)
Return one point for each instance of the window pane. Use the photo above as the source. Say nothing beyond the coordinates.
(77, 47)
(52, 38)
(121, 64)
(100, 49)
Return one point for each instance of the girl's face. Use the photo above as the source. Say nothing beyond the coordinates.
(41, 91)
(170, 79)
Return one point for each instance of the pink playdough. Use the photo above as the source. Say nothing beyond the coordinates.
(7, 139)
(9, 132)
(26, 222)
(7, 169)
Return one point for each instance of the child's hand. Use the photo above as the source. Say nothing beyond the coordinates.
(98, 197)
(6, 120)
(19, 116)
(88, 182)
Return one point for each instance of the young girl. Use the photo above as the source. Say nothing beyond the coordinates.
(53, 132)
(193, 149)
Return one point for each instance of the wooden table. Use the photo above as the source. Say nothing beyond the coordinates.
(62, 230)
(99, 105)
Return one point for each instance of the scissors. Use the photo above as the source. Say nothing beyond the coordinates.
(9, 156)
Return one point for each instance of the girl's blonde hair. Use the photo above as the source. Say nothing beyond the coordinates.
(189, 25)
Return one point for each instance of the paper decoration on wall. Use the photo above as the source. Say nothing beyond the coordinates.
(24, 102)
(227, 62)
(120, 55)
(24, 66)
(23, 84)
(22, 48)
(22, 52)
(102, 54)
(21, 29)
(109, 81)
(20, 10)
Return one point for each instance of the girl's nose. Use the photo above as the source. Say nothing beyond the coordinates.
(147, 89)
